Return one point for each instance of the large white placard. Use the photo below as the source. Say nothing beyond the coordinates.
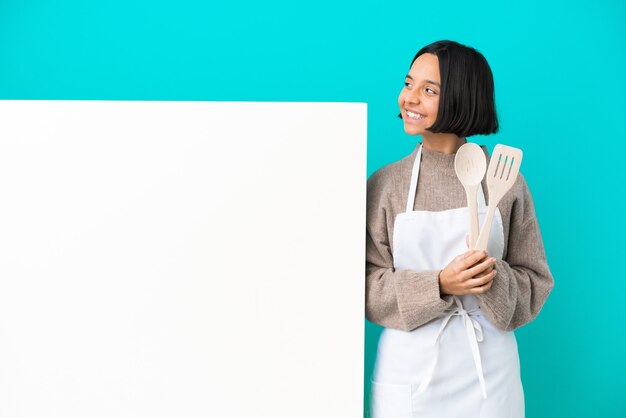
(181, 259)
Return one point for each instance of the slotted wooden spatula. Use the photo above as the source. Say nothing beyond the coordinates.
(501, 174)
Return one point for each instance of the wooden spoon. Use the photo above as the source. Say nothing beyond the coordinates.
(501, 174)
(470, 164)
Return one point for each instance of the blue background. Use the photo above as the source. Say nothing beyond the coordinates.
(559, 69)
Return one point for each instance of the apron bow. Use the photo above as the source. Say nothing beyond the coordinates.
(474, 335)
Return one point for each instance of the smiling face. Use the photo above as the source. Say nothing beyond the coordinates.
(419, 99)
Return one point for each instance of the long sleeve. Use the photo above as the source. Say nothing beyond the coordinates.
(396, 299)
(523, 280)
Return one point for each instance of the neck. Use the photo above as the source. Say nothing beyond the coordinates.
(445, 143)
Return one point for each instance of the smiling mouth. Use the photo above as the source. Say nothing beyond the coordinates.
(416, 116)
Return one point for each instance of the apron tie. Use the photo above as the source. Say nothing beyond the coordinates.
(474, 335)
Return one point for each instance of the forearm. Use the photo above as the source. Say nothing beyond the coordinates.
(403, 299)
(517, 294)
(523, 280)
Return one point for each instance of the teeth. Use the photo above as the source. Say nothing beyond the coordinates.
(415, 115)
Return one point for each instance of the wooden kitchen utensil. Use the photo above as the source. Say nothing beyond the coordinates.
(501, 174)
(470, 165)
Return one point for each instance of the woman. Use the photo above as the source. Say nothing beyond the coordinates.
(447, 348)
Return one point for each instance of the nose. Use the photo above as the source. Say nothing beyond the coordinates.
(413, 97)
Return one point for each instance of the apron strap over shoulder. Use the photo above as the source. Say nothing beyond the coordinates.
(414, 176)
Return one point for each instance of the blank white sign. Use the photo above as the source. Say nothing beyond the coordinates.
(182, 259)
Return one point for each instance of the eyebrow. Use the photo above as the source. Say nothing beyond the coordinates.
(428, 81)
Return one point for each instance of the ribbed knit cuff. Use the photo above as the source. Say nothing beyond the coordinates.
(419, 298)
(496, 301)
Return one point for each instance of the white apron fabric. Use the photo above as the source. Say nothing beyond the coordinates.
(459, 364)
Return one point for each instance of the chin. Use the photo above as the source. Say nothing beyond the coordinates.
(412, 130)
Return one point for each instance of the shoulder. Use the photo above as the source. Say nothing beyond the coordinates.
(520, 188)
(386, 186)
(519, 191)
(519, 200)
(388, 177)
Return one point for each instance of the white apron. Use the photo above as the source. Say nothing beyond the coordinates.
(459, 364)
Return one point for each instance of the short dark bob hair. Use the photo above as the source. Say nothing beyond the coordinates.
(467, 103)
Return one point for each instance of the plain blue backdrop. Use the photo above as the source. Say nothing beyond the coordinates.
(559, 69)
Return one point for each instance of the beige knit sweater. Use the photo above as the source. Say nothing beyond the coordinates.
(407, 299)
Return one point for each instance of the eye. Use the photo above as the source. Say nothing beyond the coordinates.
(407, 84)
(427, 89)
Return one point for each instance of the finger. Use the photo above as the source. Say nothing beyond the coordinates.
(480, 281)
(480, 267)
(474, 260)
(459, 263)
(487, 265)
(481, 289)
(483, 273)
(467, 241)
(472, 257)
(485, 255)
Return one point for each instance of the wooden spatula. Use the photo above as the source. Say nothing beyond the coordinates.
(470, 165)
(501, 174)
